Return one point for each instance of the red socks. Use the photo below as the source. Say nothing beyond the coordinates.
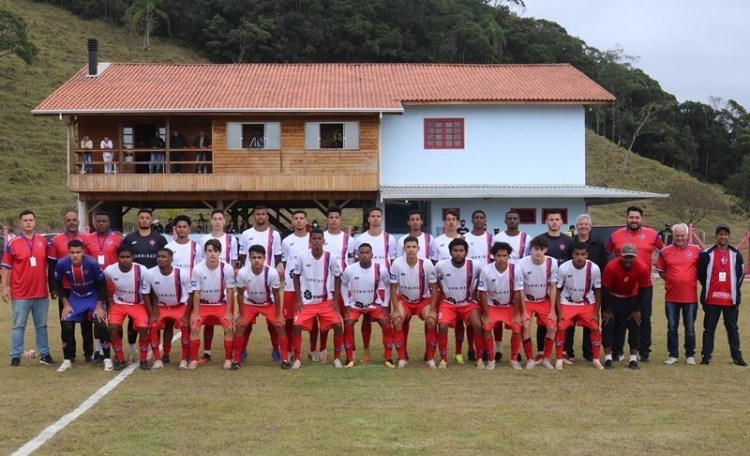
(559, 343)
(548, 343)
(185, 343)
(284, 347)
(195, 345)
(528, 348)
(153, 337)
(143, 343)
(296, 346)
(314, 336)
(338, 342)
(348, 342)
(236, 346)
(442, 342)
(432, 338)
(596, 343)
(479, 343)
(489, 347)
(117, 347)
(515, 346)
(398, 340)
(387, 341)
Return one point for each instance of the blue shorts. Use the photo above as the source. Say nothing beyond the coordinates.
(83, 308)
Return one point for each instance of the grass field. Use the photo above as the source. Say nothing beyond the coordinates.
(373, 410)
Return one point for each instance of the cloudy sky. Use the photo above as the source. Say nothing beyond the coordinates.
(695, 49)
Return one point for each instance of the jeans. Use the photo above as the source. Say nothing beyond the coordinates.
(156, 162)
(711, 319)
(689, 312)
(38, 308)
(88, 157)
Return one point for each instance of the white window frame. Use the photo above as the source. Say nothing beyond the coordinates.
(271, 136)
(350, 139)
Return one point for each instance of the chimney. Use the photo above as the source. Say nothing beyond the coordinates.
(92, 45)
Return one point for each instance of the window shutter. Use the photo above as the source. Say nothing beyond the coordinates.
(273, 135)
(351, 135)
(234, 135)
(312, 135)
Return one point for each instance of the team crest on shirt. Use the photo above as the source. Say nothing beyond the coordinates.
(39, 244)
(626, 279)
(724, 261)
(562, 246)
(108, 242)
(152, 242)
(193, 283)
(689, 254)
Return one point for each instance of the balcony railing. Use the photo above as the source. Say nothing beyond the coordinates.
(143, 161)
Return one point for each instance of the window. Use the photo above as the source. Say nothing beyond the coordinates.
(332, 135)
(257, 135)
(527, 215)
(444, 133)
(563, 212)
(127, 137)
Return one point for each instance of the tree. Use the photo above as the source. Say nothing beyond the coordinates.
(146, 14)
(13, 38)
(691, 202)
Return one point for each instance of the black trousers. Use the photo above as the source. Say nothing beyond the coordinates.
(613, 332)
(68, 337)
(711, 320)
(87, 334)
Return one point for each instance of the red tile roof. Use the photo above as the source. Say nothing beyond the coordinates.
(124, 87)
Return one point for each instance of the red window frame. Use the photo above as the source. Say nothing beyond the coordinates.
(527, 215)
(563, 211)
(436, 136)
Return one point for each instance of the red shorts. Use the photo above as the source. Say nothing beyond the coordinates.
(449, 313)
(250, 313)
(174, 313)
(212, 315)
(414, 308)
(501, 315)
(375, 312)
(289, 302)
(137, 312)
(583, 313)
(322, 310)
(541, 309)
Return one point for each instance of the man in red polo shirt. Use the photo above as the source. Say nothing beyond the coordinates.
(678, 266)
(646, 241)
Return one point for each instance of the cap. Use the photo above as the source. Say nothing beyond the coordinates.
(724, 227)
(628, 250)
(668, 224)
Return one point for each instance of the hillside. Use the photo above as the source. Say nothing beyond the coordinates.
(32, 162)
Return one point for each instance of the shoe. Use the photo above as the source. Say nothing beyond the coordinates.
(459, 358)
(567, 362)
(706, 360)
(644, 358)
(286, 365)
(227, 364)
(98, 358)
(443, 364)
(158, 364)
(235, 366)
(424, 357)
(323, 357)
(183, 364)
(349, 364)
(690, 360)
(66, 364)
(297, 364)
(389, 364)
(530, 364)
(538, 358)
(193, 365)
(46, 360)
(490, 365)
(597, 364)
(366, 358)
(472, 356)
(315, 357)
(518, 358)
(559, 364)
(165, 359)
(633, 365)
(671, 360)
(480, 364)
(205, 358)
(401, 363)
(337, 364)
(143, 365)
(498, 357)
(739, 361)
(588, 357)
(120, 365)
(620, 358)
(608, 364)
(15, 362)
(547, 364)
(275, 356)
(431, 364)
(108, 366)
(515, 365)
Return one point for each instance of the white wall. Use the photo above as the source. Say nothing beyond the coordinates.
(504, 144)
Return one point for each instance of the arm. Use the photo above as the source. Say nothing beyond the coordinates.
(230, 305)
(395, 305)
(518, 312)
(482, 296)
(598, 304)
(51, 266)
(4, 275)
(297, 292)
(336, 293)
(277, 306)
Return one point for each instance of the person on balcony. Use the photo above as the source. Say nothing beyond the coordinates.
(107, 155)
(177, 141)
(202, 142)
(87, 144)
(156, 161)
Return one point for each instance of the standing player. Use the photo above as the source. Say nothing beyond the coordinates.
(646, 241)
(413, 282)
(83, 299)
(415, 222)
(258, 284)
(457, 278)
(126, 300)
(516, 238)
(540, 294)
(212, 286)
(340, 244)
(479, 240)
(384, 250)
(57, 248)
(579, 299)
(165, 291)
(291, 247)
(360, 283)
(317, 289)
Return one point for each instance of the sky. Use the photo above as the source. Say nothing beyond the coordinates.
(694, 49)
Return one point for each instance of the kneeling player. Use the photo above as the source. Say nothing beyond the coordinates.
(360, 282)
(500, 286)
(165, 291)
(126, 301)
(83, 301)
(258, 284)
(579, 298)
(212, 286)
(413, 282)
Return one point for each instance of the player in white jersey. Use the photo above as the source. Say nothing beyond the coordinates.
(413, 282)
(340, 244)
(415, 223)
(165, 291)
(126, 300)
(479, 239)
(317, 286)
(517, 239)
(292, 247)
(579, 284)
(500, 287)
(212, 286)
(540, 294)
(457, 279)
(360, 283)
(383, 252)
(258, 285)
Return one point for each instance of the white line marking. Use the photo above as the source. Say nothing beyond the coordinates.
(34, 444)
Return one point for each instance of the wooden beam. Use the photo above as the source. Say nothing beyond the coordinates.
(127, 210)
(344, 204)
(207, 204)
(320, 205)
(229, 206)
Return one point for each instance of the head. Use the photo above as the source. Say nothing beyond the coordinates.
(501, 253)
(458, 249)
(411, 246)
(164, 258)
(415, 221)
(365, 255)
(299, 220)
(257, 255)
(145, 217)
(450, 220)
(538, 247)
(175, 133)
(479, 220)
(212, 248)
(628, 255)
(462, 223)
(634, 218)
(512, 220)
(101, 222)
(583, 225)
(260, 216)
(333, 218)
(680, 234)
(71, 222)
(580, 255)
(375, 217)
(27, 221)
(75, 251)
(125, 257)
(202, 133)
(722, 235)
(218, 220)
(182, 224)
(316, 240)
(554, 220)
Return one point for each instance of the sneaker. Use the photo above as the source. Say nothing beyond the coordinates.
(235, 366)
(401, 363)
(633, 365)
(158, 364)
(568, 361)
(608, 364)
(337, 364)
(143, 365)
(165, 359)
(597, 364)
(389, 364)
(443, 364)
(472, 356)
(588, 357)
(98, 358)
(431, 364)
(183, 364)
(275, 356)
(66, 364)
(227, 364)
(539, 358)
(286, 364)
(498, 357)
(323, 357)
(108, 366)
(315, 357)
(690, 360)
(297, 364)
(15, 362)
(515, 365)
(349, 364)
(547, 364)
(559, 364)
(620, 358)
(480, 364)
(739, 361)
(46, 360)
(120, 365)
(459, 359)
(530, 364)
(193, 365)
(366, 358)
(644, 358)
(671, 360)
(490, 365)
(706, 360)
(205, 358)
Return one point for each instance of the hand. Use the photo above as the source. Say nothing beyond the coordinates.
(154, 316)
(517, 319)
(280, 318)
(635, 316)
(298, 306)
(99, 314)
(194, 318)
(53, 294)
(67, 311)
(607, 317)
(186, 322)
(6, 294)
(552, 317)
(432, 315)
(230, 318)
